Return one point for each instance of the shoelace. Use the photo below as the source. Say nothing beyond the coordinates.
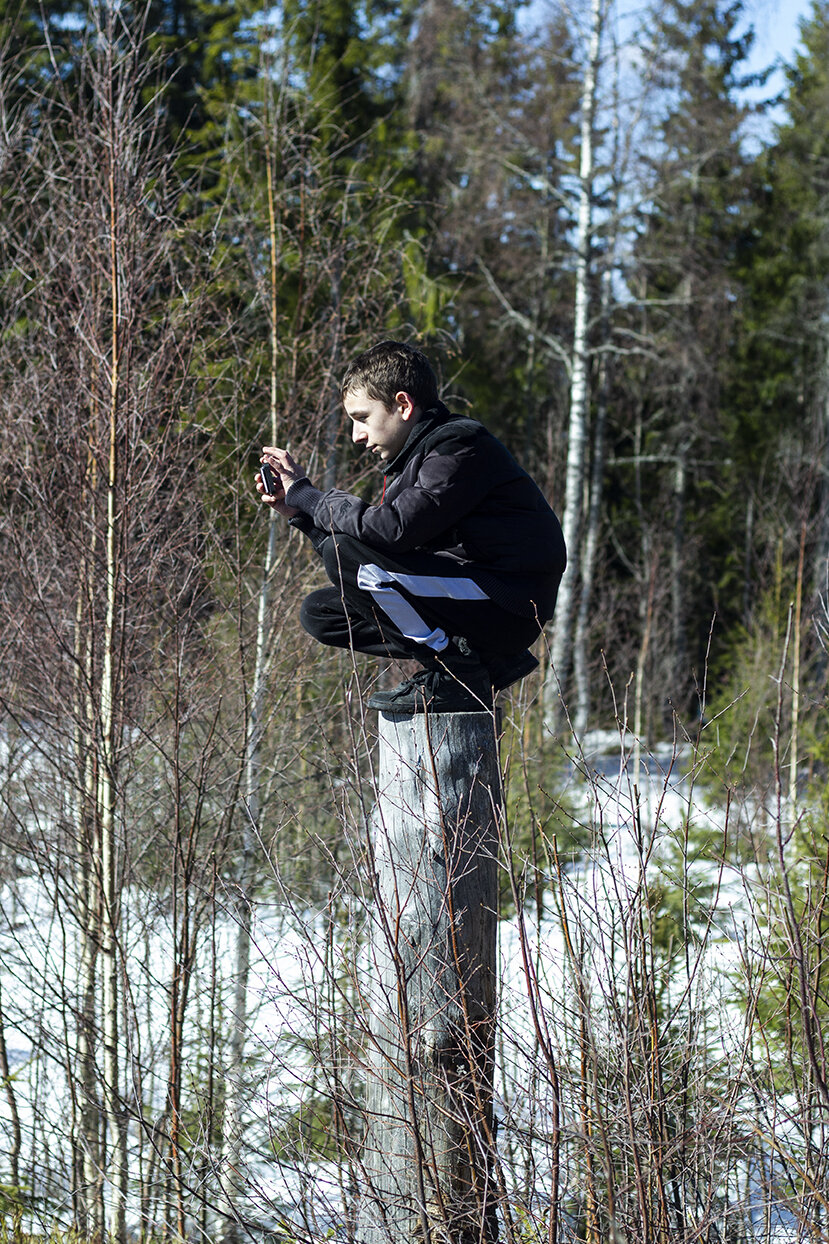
(423, 678)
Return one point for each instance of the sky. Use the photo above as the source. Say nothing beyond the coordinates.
(776, 33)
(776, 36)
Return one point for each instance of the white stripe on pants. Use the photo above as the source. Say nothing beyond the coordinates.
(380, 584)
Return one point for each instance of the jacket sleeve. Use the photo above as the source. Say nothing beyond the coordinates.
(305, 524)
(447, 487)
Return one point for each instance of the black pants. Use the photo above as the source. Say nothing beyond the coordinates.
(408, 606)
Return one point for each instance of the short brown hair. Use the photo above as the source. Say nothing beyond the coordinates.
(392, 367)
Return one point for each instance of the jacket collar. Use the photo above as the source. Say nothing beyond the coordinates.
(429, 420)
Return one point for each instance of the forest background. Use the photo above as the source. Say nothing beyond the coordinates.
(615, 246)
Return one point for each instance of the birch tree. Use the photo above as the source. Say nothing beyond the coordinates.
(557, 679)
(95, 362)
(256, 710)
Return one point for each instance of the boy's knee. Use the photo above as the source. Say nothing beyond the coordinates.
(314, 612)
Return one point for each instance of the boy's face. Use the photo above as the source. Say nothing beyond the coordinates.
(377, 427)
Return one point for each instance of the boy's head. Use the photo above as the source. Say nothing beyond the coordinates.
(389, 368)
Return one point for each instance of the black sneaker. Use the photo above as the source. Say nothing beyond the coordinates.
(504, 671)
(437, 690)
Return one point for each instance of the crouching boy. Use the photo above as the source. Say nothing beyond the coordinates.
(457, 565)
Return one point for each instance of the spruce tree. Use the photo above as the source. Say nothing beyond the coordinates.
(780, 382)
(684, 283)
(775, 510)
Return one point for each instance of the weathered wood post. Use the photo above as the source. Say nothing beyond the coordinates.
(427, 1154)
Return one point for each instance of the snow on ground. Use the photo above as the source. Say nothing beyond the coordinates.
(638, 839)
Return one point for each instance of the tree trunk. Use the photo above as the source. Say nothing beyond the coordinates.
(236, 1086)
(679, 609)
(333, 417)
(107, 791)
(555, 687)
(591, 539)
(15, 1139)
(88, 1190)
(428, 1146)
(820, 574)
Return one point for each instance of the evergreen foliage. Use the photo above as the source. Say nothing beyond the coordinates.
(206, 209)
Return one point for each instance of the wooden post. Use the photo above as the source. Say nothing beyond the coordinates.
(427, 1154)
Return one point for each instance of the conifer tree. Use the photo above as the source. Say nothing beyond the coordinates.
(779, 391)
(685, 285)
(33, 39)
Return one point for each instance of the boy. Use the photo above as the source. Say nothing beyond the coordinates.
(459, 563)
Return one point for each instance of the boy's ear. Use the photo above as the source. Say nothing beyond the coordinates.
(404, 404)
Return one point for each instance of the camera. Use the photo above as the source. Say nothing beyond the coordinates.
(269, 480)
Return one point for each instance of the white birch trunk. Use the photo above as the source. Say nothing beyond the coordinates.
(591, 542)
(235, 1087)
(581, 668)
(107, 795)
(15, 1138)
(116, 1132)
(556, 682)
(88, 1208)
(795, 676)
(334, 412)
(679, 673)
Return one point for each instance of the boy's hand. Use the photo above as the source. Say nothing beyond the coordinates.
(275, 500)
(285, 466)
(286, 470)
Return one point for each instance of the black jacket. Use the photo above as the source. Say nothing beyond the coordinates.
(454, 490)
